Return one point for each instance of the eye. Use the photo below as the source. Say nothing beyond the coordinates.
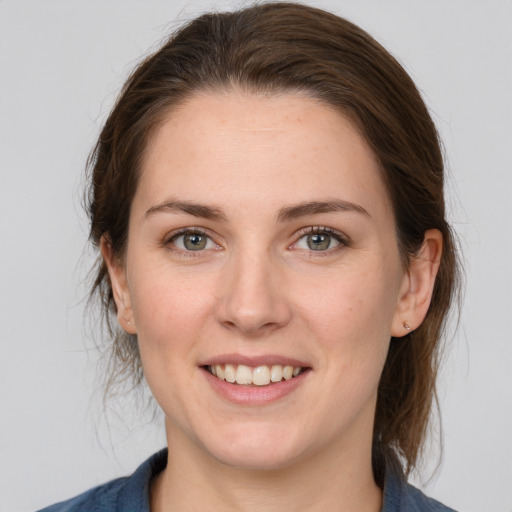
(192, 240)
(319, 239)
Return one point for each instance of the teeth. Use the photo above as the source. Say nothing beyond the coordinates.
(259, 376)
(243, 375)
(287, 372)
(276, 373)
(229, 373)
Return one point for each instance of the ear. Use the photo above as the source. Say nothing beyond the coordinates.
(117, 274)
(418, 284)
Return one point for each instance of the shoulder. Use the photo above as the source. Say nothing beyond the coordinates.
(399, 496)
(127, 493)
(102, 498)
(415, 500)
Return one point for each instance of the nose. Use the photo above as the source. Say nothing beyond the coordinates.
(252, 296)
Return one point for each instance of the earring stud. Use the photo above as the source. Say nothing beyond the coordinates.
(406, 326)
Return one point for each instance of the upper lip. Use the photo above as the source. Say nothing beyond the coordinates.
(253, 361)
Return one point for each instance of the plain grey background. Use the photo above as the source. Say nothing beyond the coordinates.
(61, 65)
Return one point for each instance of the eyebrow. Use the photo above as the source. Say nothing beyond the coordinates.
(316, 207)
(286, 213)
(195, 209)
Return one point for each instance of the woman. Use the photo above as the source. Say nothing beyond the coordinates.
(267, 197)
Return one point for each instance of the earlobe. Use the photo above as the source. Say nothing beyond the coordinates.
(418, 285)
(117, 274)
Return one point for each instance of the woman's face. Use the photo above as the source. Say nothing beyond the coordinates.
(261, 237)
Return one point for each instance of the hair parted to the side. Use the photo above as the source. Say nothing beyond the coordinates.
(274, 48)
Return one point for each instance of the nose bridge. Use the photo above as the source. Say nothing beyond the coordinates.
(252, 299)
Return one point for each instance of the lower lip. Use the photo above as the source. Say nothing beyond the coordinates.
(254, 395)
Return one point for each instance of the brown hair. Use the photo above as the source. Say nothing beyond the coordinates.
(283, 47)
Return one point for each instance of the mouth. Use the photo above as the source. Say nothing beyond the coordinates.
(259, 376)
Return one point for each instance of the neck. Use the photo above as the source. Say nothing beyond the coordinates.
(194, 481)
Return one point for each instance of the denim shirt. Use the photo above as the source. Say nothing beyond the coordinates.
(131, 494)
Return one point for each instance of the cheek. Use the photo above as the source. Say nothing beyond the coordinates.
(350, 317)
(170, 310)
(171, 314)
(351, 302)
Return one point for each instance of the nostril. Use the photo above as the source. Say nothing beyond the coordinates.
(252, 328)
(253, 309)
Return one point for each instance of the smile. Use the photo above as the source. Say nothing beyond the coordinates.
(263, 375)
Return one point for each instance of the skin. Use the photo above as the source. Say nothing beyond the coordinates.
(257, 289)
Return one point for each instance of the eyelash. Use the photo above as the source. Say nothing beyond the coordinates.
(311, 230)
(168, 242)
(342, 239)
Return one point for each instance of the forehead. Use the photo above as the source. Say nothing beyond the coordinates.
(244, 148)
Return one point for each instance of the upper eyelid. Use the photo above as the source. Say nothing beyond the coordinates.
(169, 240)
(185, 231)
(322, 230)
(174, 235)
(340, 236)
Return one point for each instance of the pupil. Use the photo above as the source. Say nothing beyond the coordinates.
(318, 242)
(195, 242)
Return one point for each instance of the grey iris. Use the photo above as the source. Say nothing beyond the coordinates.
(318, 242)
(194, 242)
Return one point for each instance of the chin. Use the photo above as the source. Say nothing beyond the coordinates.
(257, 460)
(261, 451)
